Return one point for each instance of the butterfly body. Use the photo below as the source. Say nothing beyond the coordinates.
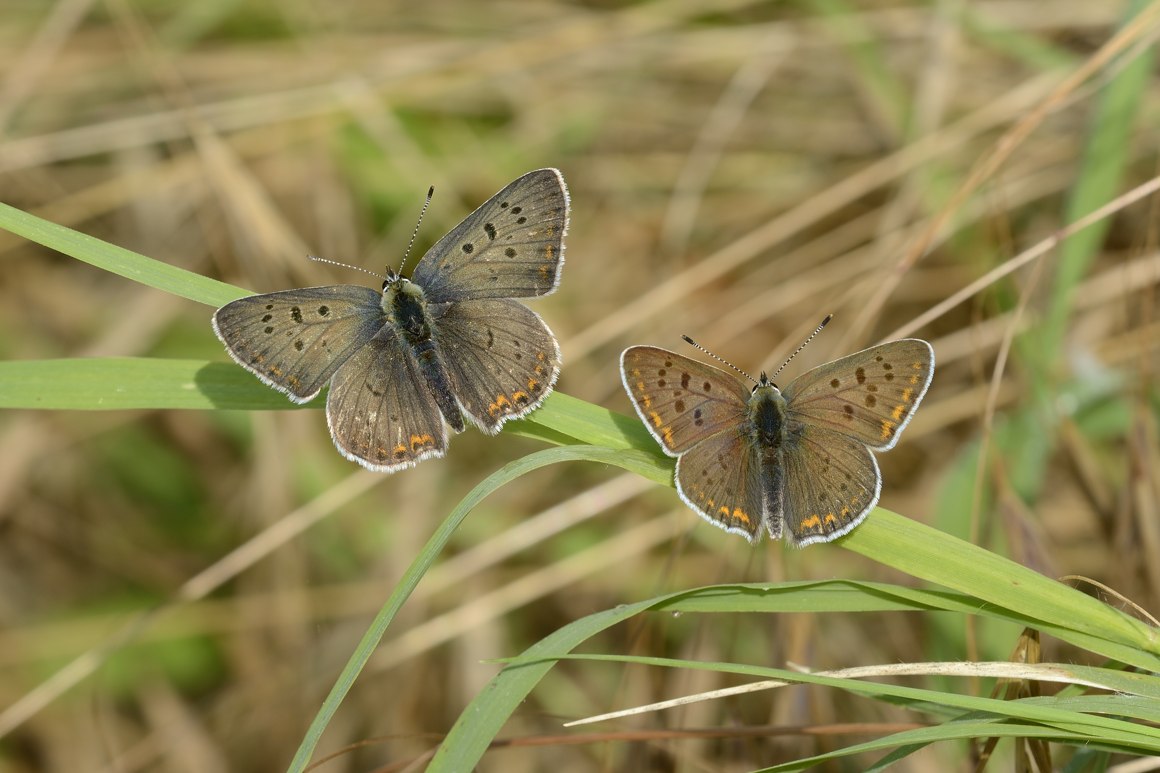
(451, 343)
(795, 462)
(768, 433)
(406, 309)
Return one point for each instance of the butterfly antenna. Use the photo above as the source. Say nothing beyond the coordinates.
(722, 360)
(423, 211)
(817, 330)
(317, 259)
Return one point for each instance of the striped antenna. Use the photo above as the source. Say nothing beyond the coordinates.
(721, 360)
(343, 265)
(817, 330)
(423, 211)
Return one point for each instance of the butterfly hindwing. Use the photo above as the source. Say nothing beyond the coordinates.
(680, 400)
(295, 340)
(380, 409)
(870, 395)
(502, 359)
(831, 482)
(511, 247)
(720, 478)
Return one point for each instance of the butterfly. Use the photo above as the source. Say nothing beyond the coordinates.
(797, 461)
(446, 346)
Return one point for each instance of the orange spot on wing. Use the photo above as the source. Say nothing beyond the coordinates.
(421, 441)
(888, 429)
(656, 419)
(645, 400)
(830, 519)
(667, 433)
(501, 405)
(811, 522)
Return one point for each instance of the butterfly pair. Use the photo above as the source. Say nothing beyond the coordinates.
(451, 345)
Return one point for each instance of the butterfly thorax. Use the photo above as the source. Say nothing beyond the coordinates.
(406, 308)
(766, 410)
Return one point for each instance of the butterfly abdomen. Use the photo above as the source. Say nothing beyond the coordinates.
(406, 307)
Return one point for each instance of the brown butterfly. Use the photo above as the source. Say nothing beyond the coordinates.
(797, 461)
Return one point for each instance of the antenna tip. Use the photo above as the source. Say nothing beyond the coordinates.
(431, 191)
(826, 321)
(689, 340)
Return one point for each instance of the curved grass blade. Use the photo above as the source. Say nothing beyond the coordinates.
(640, 463)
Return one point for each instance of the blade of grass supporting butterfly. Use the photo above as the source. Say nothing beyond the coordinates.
(128, 383)
(133, 383)
(644, 464)
(118, 260)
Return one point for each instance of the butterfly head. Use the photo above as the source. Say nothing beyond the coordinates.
(393, 278)
(765, 385)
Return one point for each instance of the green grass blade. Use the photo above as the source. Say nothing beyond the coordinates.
(134, 383)
(138, 383)
(118, 260)
(857, 596)
(642, 464)
(926, 553)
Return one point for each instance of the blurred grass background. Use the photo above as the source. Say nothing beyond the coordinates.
(737, 171)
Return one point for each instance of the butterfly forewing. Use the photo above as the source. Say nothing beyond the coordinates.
(502, 358)
(295, 340)
(869, 395)
(511, 247)
(831, 482)
(380, 409)
(680, 400)
(720, 478)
